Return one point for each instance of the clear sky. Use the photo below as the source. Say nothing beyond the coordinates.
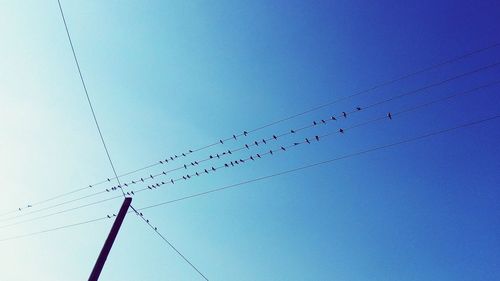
(169, 76)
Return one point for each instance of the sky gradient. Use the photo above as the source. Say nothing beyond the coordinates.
(169, 76)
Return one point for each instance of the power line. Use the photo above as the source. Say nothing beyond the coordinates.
(155, 229)
(380, 85)
(281, 148)
(87, 95)
(346, 156)
(276, 136)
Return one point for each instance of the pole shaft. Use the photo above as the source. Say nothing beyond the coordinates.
(101, 260)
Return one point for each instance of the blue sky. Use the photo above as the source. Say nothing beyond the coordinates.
(168, 76)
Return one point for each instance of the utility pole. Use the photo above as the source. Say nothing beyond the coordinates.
(99, 264)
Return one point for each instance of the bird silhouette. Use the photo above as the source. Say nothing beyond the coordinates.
(246, 145)
(245, 133)
(264, 141)
(206, 171)
(213, 169)
(274, 137)
(317, 138)
(282, 148)
(314, 123)
(184, 177)
(229, 151)
(188, 176)
(323, 121)
(307, 140)
(344, 114)
(226, 165)
(234, 137)
(258, 155)
(333, 118)
(190, 151)
(358, 108)
(341, 130)
(109, 216)
(251, 157)
(292, 131)
(183, 154)
(271, 152)
(218, 157)
(171, 158)
(172, 181)
(211, 157)
(185, 166)
(221, 141)
(109, 179)
(389, 115)
(256, 143)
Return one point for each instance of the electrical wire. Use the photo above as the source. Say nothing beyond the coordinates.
(377, 86)
(346, 156)
(270, 152)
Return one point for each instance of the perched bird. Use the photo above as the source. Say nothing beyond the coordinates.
(156, 229)
(184, 177)
(242, 161)
(333, 118)
(323, 121)
(236, 162)
(314, 123)
(90, 185)
(258, 155)
(256, 143)
(229, 151)
(171, 158)
(358, 108)
(282, 148)
(133, 182)
(185, 166)
(164, 173)
(172, 181)
(213, 169)
(106, 190)
(292, 131)
(151, 176)
(166, 160)
(246, 145)
(109, 179)
(264, 141)
(183, 154)
(245, 133)
(341, 130)
(175, 156)
(232, 164)
(161, 162)
(162, 183)
(188, 176)
(296, 143)
(211, 157)
(218, 157)
(197, 174)
(344, 113)
(226, 165)
(251, 157)
(132, 192)
(307, 140)
(206, 171)
(142, 179)
(221, 141)
(274, 137)
(271, 152)
(317, 138)
(190, 151)
(389, 115)
(192, 164)
(196, 163)
(234, 137)
(109, 216)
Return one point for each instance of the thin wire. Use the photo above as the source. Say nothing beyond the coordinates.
(346, 156)
(168, 242)
(386, 83)
(270, 138)
(87, 95)
(293, 145)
